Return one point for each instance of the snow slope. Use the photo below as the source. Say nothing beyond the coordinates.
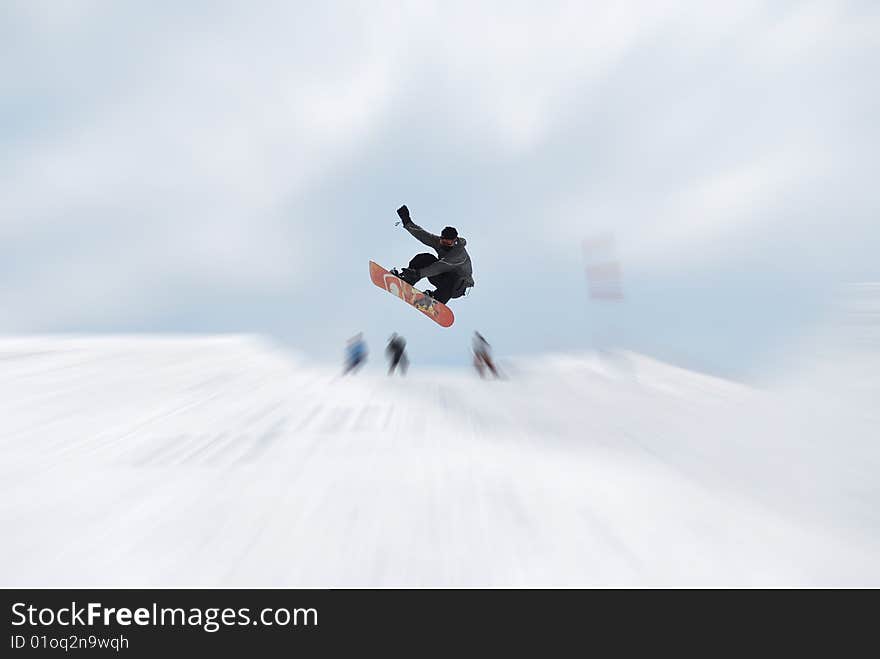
(224, 461)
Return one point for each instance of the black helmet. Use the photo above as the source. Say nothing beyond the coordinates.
(449, 233)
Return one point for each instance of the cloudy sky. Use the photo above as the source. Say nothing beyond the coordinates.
(232, 166)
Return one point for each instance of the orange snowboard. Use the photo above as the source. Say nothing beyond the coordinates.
(436, 311)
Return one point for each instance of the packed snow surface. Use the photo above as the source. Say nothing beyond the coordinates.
(227, 461)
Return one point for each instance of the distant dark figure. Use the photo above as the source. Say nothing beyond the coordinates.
(355, 354)
(482, 356)
(396, 351)
(450, 271)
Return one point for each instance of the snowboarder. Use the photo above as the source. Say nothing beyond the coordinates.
(482, 357)
(396, 351)
(450, 271)
(355, 353)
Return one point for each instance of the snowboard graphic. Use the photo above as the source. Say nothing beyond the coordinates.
(436, 311)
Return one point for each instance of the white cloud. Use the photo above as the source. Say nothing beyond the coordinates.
(201, 154)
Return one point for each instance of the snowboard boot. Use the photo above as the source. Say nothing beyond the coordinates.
(406, 274)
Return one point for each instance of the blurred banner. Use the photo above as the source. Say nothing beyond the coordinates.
(604, 285)
(602, 268)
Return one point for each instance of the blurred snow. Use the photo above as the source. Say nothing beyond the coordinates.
(226, 461)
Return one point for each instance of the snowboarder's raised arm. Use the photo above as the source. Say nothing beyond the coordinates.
(417, 232)
(423, 236)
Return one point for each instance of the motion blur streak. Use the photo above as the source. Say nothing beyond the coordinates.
(223, 461)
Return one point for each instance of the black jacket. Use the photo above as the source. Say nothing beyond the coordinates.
(451, 259)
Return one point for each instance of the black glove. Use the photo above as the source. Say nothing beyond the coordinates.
(403, 214)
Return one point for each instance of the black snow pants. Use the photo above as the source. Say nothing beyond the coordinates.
(448, 284)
